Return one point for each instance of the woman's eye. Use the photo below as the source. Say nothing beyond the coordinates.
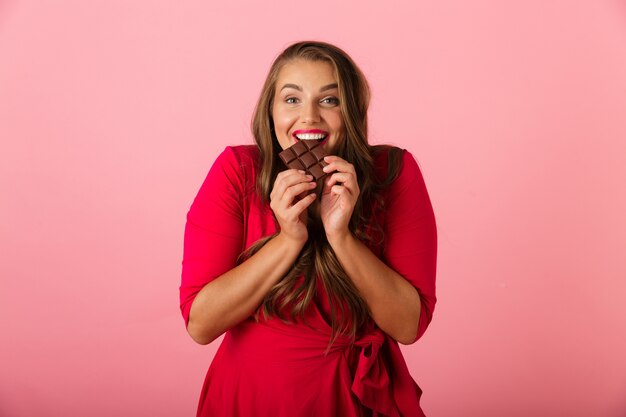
(291, 100)
(331, 100)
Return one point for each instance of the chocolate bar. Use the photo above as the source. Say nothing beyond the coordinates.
(307, 155)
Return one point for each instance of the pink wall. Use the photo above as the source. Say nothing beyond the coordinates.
(111, 113)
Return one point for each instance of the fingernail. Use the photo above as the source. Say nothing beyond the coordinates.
(300, 171)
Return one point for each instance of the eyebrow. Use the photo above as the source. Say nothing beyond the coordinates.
(297, 87)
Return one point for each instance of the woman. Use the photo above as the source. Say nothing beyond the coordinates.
(314, 292)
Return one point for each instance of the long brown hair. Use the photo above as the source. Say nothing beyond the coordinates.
(349, 310)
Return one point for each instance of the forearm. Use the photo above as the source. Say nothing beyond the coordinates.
(394, 303)
(235, 295)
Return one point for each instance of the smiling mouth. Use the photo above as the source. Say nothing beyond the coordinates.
(316, 134)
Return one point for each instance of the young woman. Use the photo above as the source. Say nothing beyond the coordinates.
(312, 290)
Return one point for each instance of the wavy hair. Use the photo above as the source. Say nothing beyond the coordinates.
(348, 309)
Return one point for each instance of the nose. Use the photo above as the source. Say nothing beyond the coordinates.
(310, 113)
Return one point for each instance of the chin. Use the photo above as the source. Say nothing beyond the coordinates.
(330, 148)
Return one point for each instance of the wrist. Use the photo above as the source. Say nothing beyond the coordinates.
(289, 243)
(338, 239)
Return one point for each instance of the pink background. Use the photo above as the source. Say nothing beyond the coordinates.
(111, 113)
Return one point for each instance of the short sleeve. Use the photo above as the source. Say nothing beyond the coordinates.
(410, 246)
(214, 228)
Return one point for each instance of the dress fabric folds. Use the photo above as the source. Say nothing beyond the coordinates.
(276, 369)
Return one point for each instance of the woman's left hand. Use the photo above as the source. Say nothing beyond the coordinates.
(339, 196)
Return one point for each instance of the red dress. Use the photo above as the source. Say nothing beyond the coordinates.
(279, 370)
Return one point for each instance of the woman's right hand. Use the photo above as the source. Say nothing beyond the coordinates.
(289, 201)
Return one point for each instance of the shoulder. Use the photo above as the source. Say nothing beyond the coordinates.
(232, 169)
(398, 174)
(244, 151)
(410, 169)
(396, 162)
(238, 154)
(238, 160)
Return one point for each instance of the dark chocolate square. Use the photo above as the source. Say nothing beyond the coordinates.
(307, 155)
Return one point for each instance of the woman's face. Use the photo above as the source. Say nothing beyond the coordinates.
(306, 104)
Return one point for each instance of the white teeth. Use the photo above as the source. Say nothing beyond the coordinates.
(305, 136)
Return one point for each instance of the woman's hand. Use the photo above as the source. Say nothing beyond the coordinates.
(289, 201)
(338, 200)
